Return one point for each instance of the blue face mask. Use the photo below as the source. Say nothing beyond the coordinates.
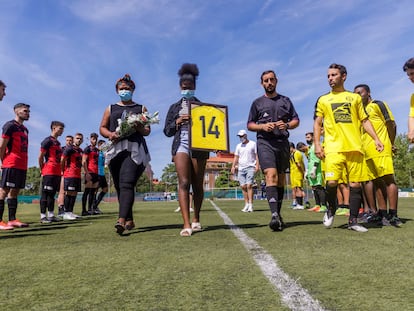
(125, 95)
(187, 93)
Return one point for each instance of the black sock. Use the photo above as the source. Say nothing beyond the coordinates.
(85, 198)
(1, 209)
(51, 202)
(322, 195)
(67, 203)
(272, 198)
(355, 200)
(43, 202)
(91, 199)
(331, 197)
(12, 203)
(72, 202)
(99, 199)
(393, 213)
(280, 194)
(383, 213)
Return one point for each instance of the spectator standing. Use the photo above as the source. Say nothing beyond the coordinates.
(247, 164)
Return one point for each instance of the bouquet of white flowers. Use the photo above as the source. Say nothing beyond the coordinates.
(127, 125)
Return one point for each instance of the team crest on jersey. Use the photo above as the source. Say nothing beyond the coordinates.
(342, 112)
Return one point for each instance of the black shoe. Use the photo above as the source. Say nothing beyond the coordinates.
(53, 219)
(396, 221)
(45, 220)
(61, 210)
(276, 223)
(129, 225)
(120, 228)
(97, 211)
(86, 213)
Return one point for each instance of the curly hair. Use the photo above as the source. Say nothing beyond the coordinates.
(188, 72)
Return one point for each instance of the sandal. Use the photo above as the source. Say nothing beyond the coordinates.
(129, 225)
(186, 232)
(120, 227)
(196, 227)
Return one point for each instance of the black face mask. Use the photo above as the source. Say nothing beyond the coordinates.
(309, 142)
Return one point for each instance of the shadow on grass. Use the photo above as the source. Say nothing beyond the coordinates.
(40, 229)
(206, 228)
(302, 223)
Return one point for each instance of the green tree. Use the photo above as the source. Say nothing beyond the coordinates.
(403, 162)
(223, 180)
(169, 178)
(143, 184)
(33, 180)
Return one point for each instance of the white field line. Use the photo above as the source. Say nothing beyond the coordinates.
(292, 294)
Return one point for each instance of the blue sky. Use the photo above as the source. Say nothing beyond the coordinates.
(63, 57)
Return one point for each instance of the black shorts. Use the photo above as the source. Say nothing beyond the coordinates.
(94, 178)
(72, 184)
(13, 178)
(51, 183)
(102, 181)
(273, 154)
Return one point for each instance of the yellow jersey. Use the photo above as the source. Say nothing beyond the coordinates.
(412, 106)
(378, 114)
(297, 165)
(342, 114)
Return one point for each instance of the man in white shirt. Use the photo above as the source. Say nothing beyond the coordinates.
(247, 164)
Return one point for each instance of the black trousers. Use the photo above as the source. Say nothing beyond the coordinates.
(125, 174)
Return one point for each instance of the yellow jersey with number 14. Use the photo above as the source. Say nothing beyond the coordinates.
(342, 114)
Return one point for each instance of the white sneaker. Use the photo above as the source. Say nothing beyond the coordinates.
(76, 216)
(68, 216)
(191, 209)
(250, 208)
(328, 218)
(357, 228)
(298, 206)
(246, 208)
(177, 209)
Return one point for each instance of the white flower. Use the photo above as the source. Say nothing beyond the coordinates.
(127, 125)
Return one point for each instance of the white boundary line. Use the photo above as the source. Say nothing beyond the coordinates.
(292, 294)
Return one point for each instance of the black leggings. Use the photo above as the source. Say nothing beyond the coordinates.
(125, 173)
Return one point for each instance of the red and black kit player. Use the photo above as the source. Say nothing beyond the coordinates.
(71, 164)
(49, 163)
(13, 154)
(90, 168)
